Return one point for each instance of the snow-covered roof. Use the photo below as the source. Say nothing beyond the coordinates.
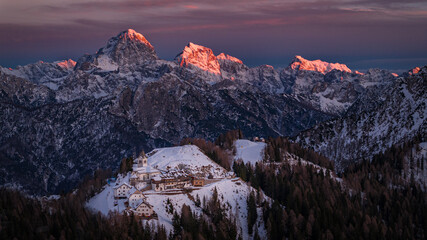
(135, 205)
(133, 191)
(147, 169)
(142, 202)
(123, 183)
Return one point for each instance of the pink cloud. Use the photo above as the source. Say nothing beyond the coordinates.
(191, 7)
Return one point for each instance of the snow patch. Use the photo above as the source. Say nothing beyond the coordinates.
(105, 63)
(249, 152)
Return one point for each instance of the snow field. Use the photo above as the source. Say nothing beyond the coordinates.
(249, 151)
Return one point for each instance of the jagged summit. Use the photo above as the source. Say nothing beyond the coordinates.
(66, 64)
(128, 39)
(132, 35)
(199, 56)
(300, 63)
(223, 56)
(127, 48)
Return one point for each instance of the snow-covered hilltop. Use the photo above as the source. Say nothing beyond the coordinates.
(187, 157)
(189, 177)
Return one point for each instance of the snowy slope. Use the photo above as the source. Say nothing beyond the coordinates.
(104, 201)
(232, 193)
(249, 151)
(394, 118)
(253, 152)
(188, 156)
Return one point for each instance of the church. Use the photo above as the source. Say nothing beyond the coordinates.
(142, 173)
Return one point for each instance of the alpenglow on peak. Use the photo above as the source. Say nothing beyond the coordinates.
(199, 56)
(131, 34)
(300, 63)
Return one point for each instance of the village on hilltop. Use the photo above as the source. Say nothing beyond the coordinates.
(144, 178)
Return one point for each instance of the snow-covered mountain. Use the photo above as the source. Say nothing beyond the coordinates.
(50, 148)
(299, 63)
(44, 73)
(125, 94)
(375, 124)
(122, 51)
(200, 59)
(330, 87)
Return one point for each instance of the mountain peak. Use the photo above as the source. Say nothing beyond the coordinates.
(223, 56)
(127, 48)
(66, 64)
(200, 57)
(300, 63)
(132, 35)
(129, 38)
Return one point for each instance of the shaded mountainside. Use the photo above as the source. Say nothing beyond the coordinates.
(172, 109)
(51, 148)
(375, 125)
(65, 119)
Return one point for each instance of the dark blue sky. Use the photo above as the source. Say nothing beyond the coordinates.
(362, 34)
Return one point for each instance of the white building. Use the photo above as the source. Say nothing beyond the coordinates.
(142, 172)
(121, 190)
(134, 197)
(144, 209)
(161, 183)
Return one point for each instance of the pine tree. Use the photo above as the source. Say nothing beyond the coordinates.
(252, 212)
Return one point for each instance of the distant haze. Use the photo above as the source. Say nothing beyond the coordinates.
(362, 34)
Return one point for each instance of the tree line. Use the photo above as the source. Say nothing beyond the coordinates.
(371, 201)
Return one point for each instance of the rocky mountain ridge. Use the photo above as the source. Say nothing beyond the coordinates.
(397, 114)
(148, 102)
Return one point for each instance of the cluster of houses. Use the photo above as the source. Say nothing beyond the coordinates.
(136, 203)
(145, 177)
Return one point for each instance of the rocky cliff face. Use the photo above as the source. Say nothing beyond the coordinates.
(330, 87)
(394, 115)
(65, 119)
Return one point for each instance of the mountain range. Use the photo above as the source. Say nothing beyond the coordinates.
(63, 120)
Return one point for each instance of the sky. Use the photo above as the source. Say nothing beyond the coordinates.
(363, 34)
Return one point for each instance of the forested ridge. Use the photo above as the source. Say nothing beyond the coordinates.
(369, 200)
